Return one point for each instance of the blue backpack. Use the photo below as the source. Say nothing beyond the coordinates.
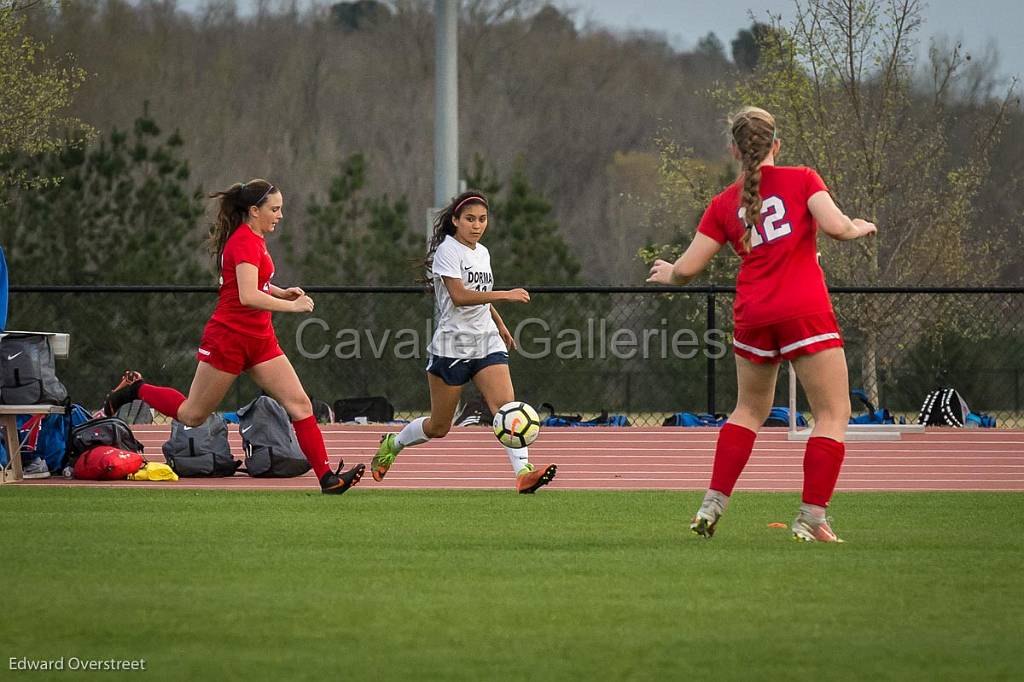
(880, 416)
(872, 415)
(46, 436)
(983, 421)
(695, 419)
(604, 420)
(577, 420)
(607, 420)
(779, 416)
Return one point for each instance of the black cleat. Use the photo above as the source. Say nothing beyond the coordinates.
(337, 482)
(124, 393)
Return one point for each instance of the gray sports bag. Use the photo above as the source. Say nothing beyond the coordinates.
(271, 448)
(27, 371)
(198, 451)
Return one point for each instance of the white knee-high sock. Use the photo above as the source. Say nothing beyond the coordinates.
(412, 434)
(518, 457)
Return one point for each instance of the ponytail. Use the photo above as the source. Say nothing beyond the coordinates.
(750, 198)
(233, 211)
(752, 130)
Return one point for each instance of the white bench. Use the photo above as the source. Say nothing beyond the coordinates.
(9, 413)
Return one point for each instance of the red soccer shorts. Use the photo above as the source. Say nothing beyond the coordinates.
(232, 352)
(788, 339)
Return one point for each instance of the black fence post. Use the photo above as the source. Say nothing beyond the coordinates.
(710, 356)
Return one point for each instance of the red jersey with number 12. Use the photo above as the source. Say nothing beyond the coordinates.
(244, 246)
(779, 278)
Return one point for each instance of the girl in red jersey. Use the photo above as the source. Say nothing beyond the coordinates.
(239, 336)
(782, 312)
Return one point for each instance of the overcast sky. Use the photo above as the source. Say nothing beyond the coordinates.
(977, 23)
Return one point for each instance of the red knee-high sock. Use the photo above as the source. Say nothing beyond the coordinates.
(311, 442)
(731, 454)
(162, 399)
(822, 461)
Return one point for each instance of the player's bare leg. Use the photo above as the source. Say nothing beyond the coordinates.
(278, 378)
(444, 399)
(495, 385)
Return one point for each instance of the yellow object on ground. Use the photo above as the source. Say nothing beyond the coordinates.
(154, 471)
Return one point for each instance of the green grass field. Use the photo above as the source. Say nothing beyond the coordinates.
(432, 585)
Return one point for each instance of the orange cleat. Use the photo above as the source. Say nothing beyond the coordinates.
(529, 480)
(385, 457)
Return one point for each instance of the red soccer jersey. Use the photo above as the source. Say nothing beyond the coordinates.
(779, 278)
(244, 246)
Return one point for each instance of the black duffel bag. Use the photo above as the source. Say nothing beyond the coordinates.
(103, 431)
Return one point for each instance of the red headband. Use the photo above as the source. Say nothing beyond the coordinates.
(472, 198)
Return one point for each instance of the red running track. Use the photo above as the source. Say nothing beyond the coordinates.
(645, 459)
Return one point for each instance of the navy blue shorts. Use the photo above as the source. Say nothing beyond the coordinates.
(455, 372)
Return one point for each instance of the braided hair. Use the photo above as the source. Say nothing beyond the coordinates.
(752, 130)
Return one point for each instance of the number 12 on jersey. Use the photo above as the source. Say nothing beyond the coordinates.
(773, 211)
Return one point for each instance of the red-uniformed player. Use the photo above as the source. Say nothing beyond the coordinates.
(782, 312)
(239, 336)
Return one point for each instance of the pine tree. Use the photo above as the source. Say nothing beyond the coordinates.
(524, 240)
(352, 239)
(121, 212)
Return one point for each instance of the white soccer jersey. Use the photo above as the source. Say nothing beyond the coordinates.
(463, 332)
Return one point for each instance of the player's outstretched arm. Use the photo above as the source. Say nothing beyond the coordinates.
(834, 222)
(696, 257)
(463, 296)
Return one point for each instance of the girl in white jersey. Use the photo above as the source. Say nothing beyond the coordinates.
(471, 341)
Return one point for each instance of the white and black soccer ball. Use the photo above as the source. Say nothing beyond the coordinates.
(516, 424)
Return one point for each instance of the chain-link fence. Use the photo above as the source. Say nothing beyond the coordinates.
(640, 352)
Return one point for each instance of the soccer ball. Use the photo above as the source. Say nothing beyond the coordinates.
(516, 424)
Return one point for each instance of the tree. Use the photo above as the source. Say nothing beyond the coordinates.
(710, 46)
(122, 213)
(746, 47)
(686, 186)
(355, 16)
(568, 103)
(352, 239)
(549, 20)
(842, 86)
(525, 242)
(840, 82)
(35, 90)
(863, 126)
